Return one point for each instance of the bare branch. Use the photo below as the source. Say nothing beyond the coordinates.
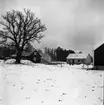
(22, 28)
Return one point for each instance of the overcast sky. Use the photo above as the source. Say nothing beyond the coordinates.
(71, 24)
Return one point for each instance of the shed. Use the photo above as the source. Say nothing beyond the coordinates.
(79, 58)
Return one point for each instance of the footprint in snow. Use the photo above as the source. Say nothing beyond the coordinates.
(47, 90)
(34, 90)
(99, 98)
(27, 97)
(4, 77)
(60, 100)
(52, 85)
(0, 99)
(100, 75)
(22, 88)
(63, 93)
(37, 82)
(14, 85)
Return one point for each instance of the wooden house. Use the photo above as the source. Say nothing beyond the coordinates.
(79, 58)
(33, 56)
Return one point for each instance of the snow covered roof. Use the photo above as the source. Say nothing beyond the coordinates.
(26, 53)
(78, 56)
(29, 53)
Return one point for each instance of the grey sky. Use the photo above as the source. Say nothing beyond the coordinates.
(72, 24)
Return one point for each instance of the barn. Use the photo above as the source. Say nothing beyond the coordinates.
(79, 58)
(99, 57)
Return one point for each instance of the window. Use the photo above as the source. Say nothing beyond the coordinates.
(34, 58)
(34, 53)
(78, 60)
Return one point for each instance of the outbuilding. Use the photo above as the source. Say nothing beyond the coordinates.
(79, 58)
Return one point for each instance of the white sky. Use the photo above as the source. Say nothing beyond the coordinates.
(72, 24)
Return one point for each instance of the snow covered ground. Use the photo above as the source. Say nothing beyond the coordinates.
(39, 84)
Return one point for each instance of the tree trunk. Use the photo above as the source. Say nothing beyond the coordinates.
(17, 60)
(18, 57)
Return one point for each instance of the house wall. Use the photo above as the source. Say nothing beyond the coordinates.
(38, 59)
(99, 56)
(35, 58)
(88, 60)
(74, 61)
(98, 67)
(70, 61)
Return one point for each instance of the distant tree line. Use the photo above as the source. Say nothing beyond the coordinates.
(6, 51)
(61, 53)
(58, 54)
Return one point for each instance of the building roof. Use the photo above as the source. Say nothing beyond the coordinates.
(26, 53)
(77, 56)
(99, 46)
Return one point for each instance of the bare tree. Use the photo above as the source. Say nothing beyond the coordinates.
(21, 28)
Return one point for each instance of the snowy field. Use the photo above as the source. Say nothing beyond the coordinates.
(39, 84)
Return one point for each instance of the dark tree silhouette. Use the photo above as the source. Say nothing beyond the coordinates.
(6, 51)
(58, 54)
(28, 48)
(21, 28)
(61, 53)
